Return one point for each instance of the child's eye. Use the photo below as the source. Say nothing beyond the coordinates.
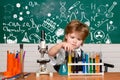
(79, 39)
(72, 37)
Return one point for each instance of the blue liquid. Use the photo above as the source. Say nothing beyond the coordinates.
(63, 69)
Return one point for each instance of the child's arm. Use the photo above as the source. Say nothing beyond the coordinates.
(54, 50)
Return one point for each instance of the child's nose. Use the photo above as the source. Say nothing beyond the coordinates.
(75, 41)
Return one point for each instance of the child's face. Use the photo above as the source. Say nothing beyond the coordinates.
(74, 39)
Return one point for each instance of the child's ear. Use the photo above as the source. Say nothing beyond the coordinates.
(82, 44)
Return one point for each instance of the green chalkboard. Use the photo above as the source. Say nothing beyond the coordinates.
(21, 21)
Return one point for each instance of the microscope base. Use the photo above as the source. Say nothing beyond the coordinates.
(44, 73)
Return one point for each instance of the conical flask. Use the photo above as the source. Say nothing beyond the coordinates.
(63, 69)
(84, 19)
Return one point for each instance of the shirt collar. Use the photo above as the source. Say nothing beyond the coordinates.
(78, 51)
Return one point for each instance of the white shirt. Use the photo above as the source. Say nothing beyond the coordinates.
(60, 57)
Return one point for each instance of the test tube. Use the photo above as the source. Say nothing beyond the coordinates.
(94, 55)
(76, 61)
(91, 61)
(97, 60)
(73, 60)
(69, 61)
(100, 61)
(87, 60)
(83, 60)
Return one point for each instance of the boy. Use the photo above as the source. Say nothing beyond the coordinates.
(75, 35)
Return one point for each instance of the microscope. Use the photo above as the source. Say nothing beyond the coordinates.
(43, 49)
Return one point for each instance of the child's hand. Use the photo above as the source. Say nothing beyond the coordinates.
(67, 46)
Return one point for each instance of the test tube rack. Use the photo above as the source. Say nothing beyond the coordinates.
(91, 64)
(85, 72)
